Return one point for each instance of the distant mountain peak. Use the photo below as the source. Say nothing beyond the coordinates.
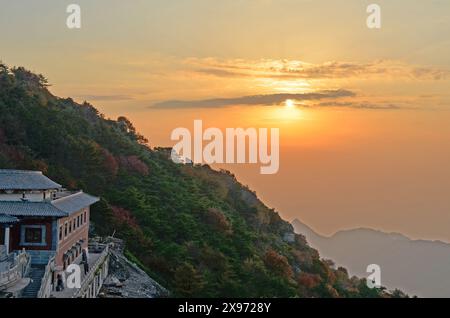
(304, 229)
(374, 232)
(419, 267)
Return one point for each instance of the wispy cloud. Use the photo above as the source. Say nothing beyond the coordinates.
(265, 100)
(171, 82)
(104, 97)
(358, 105)
(294, 69)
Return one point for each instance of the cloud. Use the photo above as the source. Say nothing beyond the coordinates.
(265, 100)
(359, 105)
(221, 73)
(294, 69)
(104, 97)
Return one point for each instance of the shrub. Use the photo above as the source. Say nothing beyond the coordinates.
(278, 264)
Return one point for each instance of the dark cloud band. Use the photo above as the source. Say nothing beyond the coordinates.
(266, 100)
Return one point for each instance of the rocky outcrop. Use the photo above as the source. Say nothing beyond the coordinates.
(127, 280)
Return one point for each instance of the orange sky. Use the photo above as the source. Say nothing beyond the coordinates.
(370, 150)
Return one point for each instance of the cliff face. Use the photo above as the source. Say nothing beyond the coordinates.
(127, 280)
(197, 231)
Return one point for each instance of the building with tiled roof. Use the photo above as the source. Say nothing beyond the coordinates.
(7, 219)
(25, 180)
(41, 218)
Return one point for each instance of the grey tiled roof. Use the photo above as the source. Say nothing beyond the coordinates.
(17, 208)
(25, 180)
(57, 208)
(74, 202)
(4, 219)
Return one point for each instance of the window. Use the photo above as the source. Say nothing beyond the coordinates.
(70, 227)
(60, 233)
(32, 235)
(84, 216)
(65, 229)
(78, 221)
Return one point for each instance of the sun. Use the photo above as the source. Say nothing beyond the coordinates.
(289, 111)
(289, 103)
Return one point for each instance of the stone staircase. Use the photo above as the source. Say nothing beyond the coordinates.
(36, 274)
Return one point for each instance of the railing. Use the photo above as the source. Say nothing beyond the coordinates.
(46, 283)
(92, 272)
(19, 266)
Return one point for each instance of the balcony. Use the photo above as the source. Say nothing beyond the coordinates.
(91, 281)
(13, 269)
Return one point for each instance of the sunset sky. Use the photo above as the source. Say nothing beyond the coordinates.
(367, 141)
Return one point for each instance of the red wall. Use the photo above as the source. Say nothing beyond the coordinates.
(15, 234)
(72, 238)
(64, 245)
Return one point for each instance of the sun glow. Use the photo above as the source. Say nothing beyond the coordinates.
(287, 112)
(289, 103)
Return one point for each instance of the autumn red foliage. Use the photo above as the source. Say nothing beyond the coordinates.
(110, 162)
(308, 280)
(124, 216)
(134, 164)
(277, 263)
(218, 220)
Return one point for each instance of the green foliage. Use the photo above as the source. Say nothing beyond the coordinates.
(188, 281)
(197, 231)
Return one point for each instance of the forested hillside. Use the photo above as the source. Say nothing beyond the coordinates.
(197, 231)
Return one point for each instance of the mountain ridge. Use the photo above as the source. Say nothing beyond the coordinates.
(368, 229)
(419, 267)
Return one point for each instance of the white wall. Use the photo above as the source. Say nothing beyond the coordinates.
(36, 196)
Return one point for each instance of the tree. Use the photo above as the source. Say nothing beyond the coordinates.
(188, 281)
(218, 220)
(127, 126)
(278, 264)
(308, 280)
